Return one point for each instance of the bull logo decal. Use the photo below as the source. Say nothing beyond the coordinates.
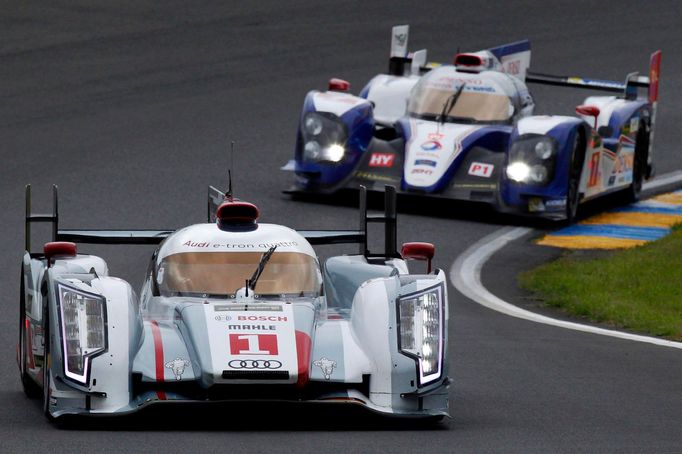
(327, 366)
(178, 367)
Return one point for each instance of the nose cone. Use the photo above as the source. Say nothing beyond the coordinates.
(254, 343)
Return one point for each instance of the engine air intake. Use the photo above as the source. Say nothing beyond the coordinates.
(237, 214)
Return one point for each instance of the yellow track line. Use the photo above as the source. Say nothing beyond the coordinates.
(588, 242)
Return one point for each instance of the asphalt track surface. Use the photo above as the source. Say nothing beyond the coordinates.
(130, 108)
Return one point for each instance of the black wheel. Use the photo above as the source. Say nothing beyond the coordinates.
(31, 388)
(639, 164)
(47, 362)
(574, 171)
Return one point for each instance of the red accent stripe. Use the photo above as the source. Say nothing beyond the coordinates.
(303, 351)
(158, 353)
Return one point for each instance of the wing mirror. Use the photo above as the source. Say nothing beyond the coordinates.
(419, 251)
(338, 85)
(589, 111)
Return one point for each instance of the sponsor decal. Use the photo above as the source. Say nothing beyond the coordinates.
(422, 171)
(374, 177)
(431, 145)
(512, 66)
(594, 170)
(624, 163)
(178, 367)
(258, 364)
(435, 136)
(208, 244)
(221, 318)
(246, 307)
(400, 38)
(474, 186)
(381, 160)
(481, 169)
(339, 97)
(253, 344)
(253, 327)
(555, 203)
(327, 366)
(425, 162)
(262, 318)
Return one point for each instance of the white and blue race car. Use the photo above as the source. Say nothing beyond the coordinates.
(467, 131)
(237, 311)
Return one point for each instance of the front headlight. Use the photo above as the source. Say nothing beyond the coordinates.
(324, 137)
(421, 331)
(83, 329)
(532, 159)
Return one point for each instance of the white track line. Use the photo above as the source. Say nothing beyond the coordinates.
(665, 179)
(465, 275)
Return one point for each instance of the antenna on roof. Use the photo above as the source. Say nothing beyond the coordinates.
(228, 193)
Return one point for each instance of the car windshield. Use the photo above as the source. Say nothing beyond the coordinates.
(222, 273)
(479, 100)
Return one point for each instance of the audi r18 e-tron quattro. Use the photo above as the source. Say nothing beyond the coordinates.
(233, 310)
(468, 131)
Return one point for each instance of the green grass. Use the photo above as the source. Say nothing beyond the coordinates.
(636, 289)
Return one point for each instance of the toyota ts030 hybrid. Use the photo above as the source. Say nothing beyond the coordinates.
(234, 310)
(467, 131)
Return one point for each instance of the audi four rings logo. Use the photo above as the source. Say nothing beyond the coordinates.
(254, 364)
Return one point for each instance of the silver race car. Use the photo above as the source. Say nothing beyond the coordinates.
(233, 310)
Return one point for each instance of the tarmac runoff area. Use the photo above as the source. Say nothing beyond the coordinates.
(623, 227)
(465, 272)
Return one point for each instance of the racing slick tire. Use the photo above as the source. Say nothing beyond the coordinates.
(31, 388)
(47, 361)
(573, 186)
(631, 194)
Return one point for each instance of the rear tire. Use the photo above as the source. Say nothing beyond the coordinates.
(31, 388)
(639, 164)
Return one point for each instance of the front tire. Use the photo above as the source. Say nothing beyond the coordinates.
(574, 172)
(47, 362)
(31, 388)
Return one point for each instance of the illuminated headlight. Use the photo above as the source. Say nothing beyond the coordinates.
(518, 171)
(334, 152)
(324, 137)
(421, 335)
(83, 329)
(532, 159)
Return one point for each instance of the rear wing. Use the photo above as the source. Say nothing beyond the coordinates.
(629, 88)
(215, 197)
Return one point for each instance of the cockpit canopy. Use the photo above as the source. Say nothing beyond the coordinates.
(223, 273)
(485, 98)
